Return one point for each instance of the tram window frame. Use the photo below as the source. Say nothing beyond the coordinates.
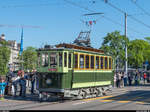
(82, 61)
(102, 62)
(92, 62)
(110, 63)
(87, 62)
(97, 65)
(44, 59)
(39, 60)
(65, 59)
(60, 59)
(53, 59)
(76, 61)
(106, 62)
(69, 60)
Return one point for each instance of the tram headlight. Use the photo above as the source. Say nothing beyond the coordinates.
(48, 81)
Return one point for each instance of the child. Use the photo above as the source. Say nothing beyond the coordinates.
(2, 87)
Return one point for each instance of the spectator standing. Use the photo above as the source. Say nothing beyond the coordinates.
(125, 79)
(130, 79)
(22, 82)
(121, 79)
(115, 80)
(144, 76)
(136, 79)
(2, 87)
(33, 78)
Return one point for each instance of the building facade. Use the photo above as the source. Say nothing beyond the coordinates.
(14, 55)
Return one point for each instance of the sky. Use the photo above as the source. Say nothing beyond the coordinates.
(59, 21)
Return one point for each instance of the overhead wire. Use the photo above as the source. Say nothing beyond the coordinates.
(133, 18)
(138, 6)
(105, 17)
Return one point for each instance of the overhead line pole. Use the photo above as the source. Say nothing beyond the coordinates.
(126, 52)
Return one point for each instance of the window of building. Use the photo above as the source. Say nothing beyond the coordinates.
(106, 63)
(69, 61)
(102, 63)
(76, 61)
(53, 60)
(81, 61)
(97, 62)
(87, 61)
(92, 62)
(60, 59)
(110, 63)
(65, 59)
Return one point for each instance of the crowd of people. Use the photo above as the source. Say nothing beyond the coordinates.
(132, 78)
(14, 82)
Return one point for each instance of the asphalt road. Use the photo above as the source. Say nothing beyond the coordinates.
(127, 98)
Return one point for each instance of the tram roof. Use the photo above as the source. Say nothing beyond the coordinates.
(73, 47)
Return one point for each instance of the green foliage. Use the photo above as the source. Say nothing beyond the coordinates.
(29, 56)
(114, 45)
(4, 57)
(139, 52)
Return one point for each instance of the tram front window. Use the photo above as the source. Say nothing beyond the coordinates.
(53, 60)
(45, 59)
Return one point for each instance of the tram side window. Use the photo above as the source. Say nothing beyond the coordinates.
(106, 63)
(69, 61)
(60, 59)
(92, 62)
(39, 59)
(97, 62)
(81, 61)
(45, 59)
(76, 61)
(53, 59)
(102, 63)
(87, 61)
(65, 59)
(110, 63)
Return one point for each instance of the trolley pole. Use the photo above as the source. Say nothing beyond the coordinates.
(126, 55)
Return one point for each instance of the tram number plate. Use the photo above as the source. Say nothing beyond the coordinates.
(52, 69)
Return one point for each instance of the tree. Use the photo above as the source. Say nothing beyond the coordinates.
(4, 57)
(29, 58)
(139, 52)
(114, 45)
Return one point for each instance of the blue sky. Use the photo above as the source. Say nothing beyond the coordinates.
(61, 21)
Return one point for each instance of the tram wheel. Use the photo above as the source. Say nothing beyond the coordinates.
(82, 94)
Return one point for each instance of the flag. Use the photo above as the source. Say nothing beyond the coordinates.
(90, 22)
(94, 21)
(21, 44)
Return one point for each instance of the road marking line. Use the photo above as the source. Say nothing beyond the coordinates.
(96, 98)
(123, 101)
(106, 100)
(138, 102)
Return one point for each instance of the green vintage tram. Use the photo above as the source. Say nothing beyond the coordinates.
(74, 71)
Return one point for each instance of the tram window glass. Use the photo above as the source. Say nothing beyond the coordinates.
(69, 61)
(81, 61)
(92, 62)
(65, 59)
(106, 63)
(87, 61)
(97, 62)
(110, 63)
(60, 59)
(53, 59)
(102, 63)
(76, 60)
(39, 59)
